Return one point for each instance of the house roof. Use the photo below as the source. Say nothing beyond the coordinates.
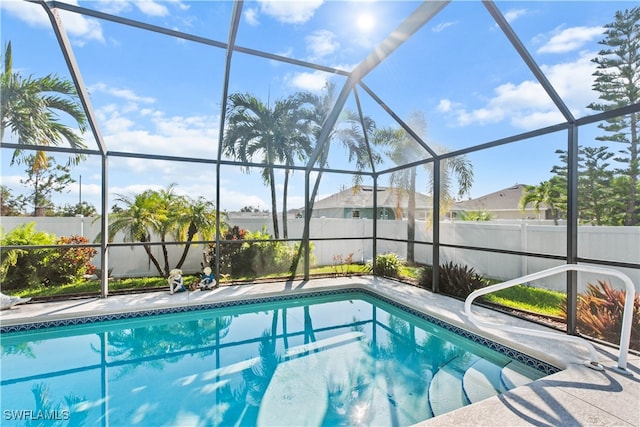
(505, 199)
(362, 197)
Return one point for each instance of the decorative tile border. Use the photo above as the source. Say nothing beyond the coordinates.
(530, 361)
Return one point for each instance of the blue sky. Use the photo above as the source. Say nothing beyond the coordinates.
(154, 94)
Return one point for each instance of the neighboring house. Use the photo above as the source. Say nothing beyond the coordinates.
(357, 202)
(503, 204)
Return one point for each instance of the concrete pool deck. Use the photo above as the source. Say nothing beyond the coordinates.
(575, 396)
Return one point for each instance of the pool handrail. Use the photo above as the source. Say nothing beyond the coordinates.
(625, 334)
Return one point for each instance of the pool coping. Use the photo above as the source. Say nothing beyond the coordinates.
(595, 396)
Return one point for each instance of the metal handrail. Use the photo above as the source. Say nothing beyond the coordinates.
(625, 334)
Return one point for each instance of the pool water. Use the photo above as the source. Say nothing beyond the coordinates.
(339, 359)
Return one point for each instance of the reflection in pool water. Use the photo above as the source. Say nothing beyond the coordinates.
(339, 359)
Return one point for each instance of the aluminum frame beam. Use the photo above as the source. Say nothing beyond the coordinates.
(528, 59)
(416, 20)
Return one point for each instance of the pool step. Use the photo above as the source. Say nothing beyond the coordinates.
(466, 380)
(483, 380)
(513, 375)
(446, 391)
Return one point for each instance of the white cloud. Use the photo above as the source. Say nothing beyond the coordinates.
(444, 105)
(32, 14)
(574, 80)
(251, 16)
(290, 12)
(321, 43)
(80, 28)
(114, 6)
(235, 200)
(514, 14)
(526, 105)
(114, 123)
(570, 39)
(442, 26)
(151, 8)
(514, 101)
(169, 138)
(345, 67)
(147, 7)
(126, 94)
(152, 131)
(314, 81)
(130, 190)
(179, 4)
(537, 120)
(12, 181)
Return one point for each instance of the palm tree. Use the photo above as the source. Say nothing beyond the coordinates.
(350, 131)
(548, 193)
(402, 149)
(199, 218)
(137, 220)
(454, 172)
(165, 214)
(297, 146)
(255, 129)
(169, 208)
(29, 108)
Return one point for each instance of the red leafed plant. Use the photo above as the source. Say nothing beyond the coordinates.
(600, 311)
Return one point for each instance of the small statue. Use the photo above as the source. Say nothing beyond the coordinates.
(208, 280)
(176, 284)
(7, 301)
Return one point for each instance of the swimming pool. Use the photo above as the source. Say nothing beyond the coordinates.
(328, 358)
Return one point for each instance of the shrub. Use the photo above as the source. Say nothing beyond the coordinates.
(600, 312)
(252, 254)
(456, 280)
(19, 267)
(386, 265)
(474, 216)
(228, 251)
(23, 268)
(66, 265)
(262, 256)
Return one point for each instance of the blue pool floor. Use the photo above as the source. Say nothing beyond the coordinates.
(575, 396)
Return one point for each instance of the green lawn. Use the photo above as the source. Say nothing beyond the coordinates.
(528, 298)
(93, 286)
(519, 297)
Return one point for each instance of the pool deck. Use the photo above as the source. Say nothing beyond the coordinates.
(575, 396)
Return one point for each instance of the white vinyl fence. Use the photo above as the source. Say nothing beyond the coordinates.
(621, 244)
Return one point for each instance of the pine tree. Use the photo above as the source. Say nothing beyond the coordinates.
(43, 181)
(617, 78)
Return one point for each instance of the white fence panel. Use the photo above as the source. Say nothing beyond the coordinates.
(608, 243)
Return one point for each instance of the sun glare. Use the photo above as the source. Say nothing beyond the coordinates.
(365, 22)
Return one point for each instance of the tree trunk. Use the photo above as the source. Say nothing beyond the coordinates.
(285, 231)
(165, 254)
(274, 208)
(153, 259)
(632, 205)
(190, 235)
(411, 218)
(305, 233)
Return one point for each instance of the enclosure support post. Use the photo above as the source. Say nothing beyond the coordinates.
(572, 228)
(375, 224)
(436, 225)
(104, 230)
(307, 225)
